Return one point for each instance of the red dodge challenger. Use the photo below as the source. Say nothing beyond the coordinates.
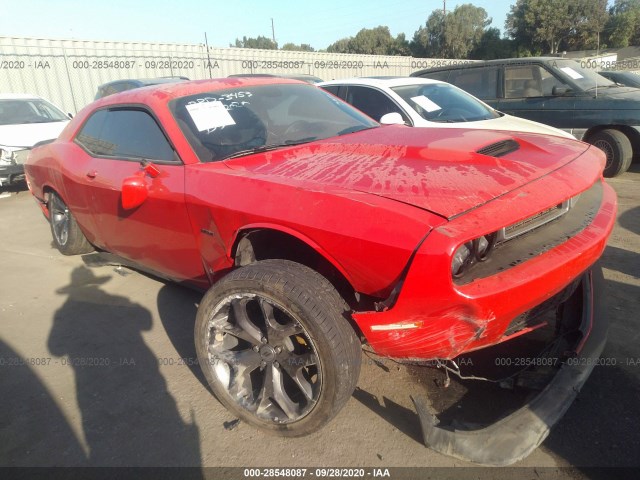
(314, 229)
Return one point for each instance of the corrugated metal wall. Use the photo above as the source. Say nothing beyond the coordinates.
(68, 72)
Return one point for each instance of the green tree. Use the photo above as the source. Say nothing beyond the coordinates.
(340, 46)
(453, 35)
(623, 25)
(427, 40)
(551, 24)
(258, 42)
(463, 29)
(591, 17)
(304, 47)
(400, 46)
(372, 41)
(492, 46)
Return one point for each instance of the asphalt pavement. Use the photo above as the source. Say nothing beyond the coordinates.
(98, 368)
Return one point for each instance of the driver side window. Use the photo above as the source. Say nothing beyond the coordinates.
(373, 102)
(529, 81)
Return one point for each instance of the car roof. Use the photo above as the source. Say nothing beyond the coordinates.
(181, 89)
(499, 61)
(146, 81)
(296, 76)
(19, 96)
(388, 82)
(619, 73)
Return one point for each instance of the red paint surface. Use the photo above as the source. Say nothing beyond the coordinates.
(364, 201)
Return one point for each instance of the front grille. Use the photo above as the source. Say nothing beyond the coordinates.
(535, 221)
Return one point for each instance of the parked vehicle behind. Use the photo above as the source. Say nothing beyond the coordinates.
(422, 102)
(303, 77)
(117, 86)
(628, 79)
(560, 93)
(24, 121)
(311, 227)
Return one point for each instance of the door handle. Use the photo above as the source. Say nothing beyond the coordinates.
(92, 174)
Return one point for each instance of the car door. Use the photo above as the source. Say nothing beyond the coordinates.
(529, 93)
(135, 185)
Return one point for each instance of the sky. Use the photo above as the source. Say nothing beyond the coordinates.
(186, 21)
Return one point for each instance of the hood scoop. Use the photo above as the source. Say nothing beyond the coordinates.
(499, 149)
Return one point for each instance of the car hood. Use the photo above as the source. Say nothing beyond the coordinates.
(28, 134)
(504, 122)
(624, 97)
(433, 169)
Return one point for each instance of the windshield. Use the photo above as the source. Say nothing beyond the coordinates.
(441, 102)
(583, 78)
(21, 111)
(230, 122)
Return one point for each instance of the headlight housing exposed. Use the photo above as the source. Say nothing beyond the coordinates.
(7, 156)
(477, 250)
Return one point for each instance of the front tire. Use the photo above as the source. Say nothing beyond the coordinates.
(616, 147)
(67, 236)
(275, 346)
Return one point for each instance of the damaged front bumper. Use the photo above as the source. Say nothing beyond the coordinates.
(12, 164)
(514, 437)
(11, 173)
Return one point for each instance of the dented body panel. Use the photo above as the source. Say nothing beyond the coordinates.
(454, 318)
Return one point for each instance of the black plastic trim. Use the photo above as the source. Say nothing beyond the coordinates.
(514, 437)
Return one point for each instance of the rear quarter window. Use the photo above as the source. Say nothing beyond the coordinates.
(125, 133)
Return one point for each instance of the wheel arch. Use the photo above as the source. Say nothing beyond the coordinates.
(631, 133)
(47, 190)
(261, 242)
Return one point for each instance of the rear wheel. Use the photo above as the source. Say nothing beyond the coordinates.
(67, 236)
(275, 347)
(616, 147)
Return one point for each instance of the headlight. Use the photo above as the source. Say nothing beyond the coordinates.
(477, 250)
(483, 246)
(461, 260)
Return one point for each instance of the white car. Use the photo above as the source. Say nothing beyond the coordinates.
(24, 121)
(422, 102)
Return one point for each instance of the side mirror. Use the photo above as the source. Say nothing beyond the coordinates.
(393, 118)
(134, 192)
(558, 91)
(69, 114)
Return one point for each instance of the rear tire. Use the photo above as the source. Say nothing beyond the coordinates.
(616, 147)
(67, 236)
(275, 346)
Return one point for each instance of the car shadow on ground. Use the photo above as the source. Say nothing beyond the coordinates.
(178, 307)
(123, 399)
(631, 220)
(13, 189)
